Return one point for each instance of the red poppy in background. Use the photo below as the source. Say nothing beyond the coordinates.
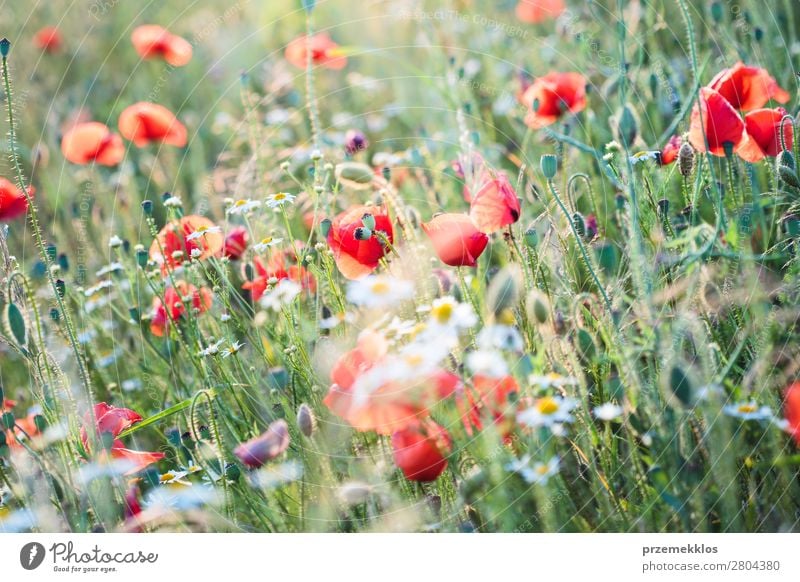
(553, 95)
(670, 152)
(91, 142)
(495, 205)
(277, 267)
(235, 243)
(720, 123)
(748, 88)
(762, 128)
(356, 258)
(265, 447)
(152, 41)
(23, 427)
(792, 410)
(173, 307)
(536, 11)
(419, 451)
(13, 202)
(180, 235)
(324, 52)
(48, 39)
(112, 420)
(456, 239)
(144, 123)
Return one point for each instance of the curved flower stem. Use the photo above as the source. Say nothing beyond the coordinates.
(37, 234)
(582, 248)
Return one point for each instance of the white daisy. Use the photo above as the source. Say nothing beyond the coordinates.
(607, 411)
(232, 349)
(500, 337)
(748, 411)
(173, 477)
(173, 202)
(539, 473)
(114, 242)
(279, 199)
(110, 268)
(379, 291)
(243, 206)
(487, 363)
(203, 230)
(552, 380)
(548, 411)
(265, 243)
(211, 350)
(283, 293)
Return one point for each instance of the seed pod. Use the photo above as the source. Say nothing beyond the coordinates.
(579, 223)
(663, 207)
(537, 307)
(354, 174)
(549, 164)
(504, 289)
(686, 159)
(627, 126)
(788, 176)
(531, 238)
(785, 158)
(15, 325)
(306, 421)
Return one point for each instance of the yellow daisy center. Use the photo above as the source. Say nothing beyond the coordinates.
(266, 241)
(240, 203)
(747, 408)
(443, 312)
(542, 469)
(547, 405)
(380, 287)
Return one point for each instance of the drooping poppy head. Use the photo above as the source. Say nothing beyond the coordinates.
(152, 41)
(495, 205)
(551, 96)
(144, 123)
(792, 410)
(714, 119)
(324, 52)
(748, 88)
(91, 142)
(174, 305)
(190, 236)
(762, 134)
(536, 11)
(357, 257)
(13, 203)
(48, 39)
(235, 243)
(265, 447)
(456, 239)
(419, 451)
(670, 152)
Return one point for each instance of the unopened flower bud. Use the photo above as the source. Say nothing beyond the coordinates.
(306, 421)
(549, 164)
(686, 159)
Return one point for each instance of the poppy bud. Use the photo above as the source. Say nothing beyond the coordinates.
(269, 445)
(354, 174)
(5, 47)
(306, 421)
(147, 207)
(504, 289)
(325, 227)
(355, 141)
(579, 223)
(537, 307)
(788, 176)
(717, 11)
(791, 225)
(663, 207)
(51, 252)
(55, 315)
(549, 164)
(531, 238)
(362, 233)
(368, 220)
(627, 126)
(686, 159)
(607, 258)
(61, 287)
(785, 158)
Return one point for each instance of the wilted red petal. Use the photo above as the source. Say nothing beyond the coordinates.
(418, 451)
(13, 203)
(92, 142)
(670, 152)
(144, 123)
(139, 459)
(495, 205)
(720, 123)
(747, 88)
(153, 41)
(323, 52)
(267, 446)
(456, 239)
(536, 11)
(762, 128)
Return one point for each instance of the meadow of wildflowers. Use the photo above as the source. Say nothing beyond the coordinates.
(408, 266)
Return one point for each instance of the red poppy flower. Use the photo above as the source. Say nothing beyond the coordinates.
(456, 239)
(495, 205)
(235, 243)
(324, 52)
(112, 420)
(748, 88)
(762, 134)
(23, 427)
(792, 410)
(91, 142)
(419, 451)
(181, 236)
(356, 258)
(269, 445)
(670, 152)
(173, 307)
(48, 39)
(152, 41)
(536, 11)
(144, 123)
(720, 123)
(13, 203)
(553, 95)
(278, 267)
